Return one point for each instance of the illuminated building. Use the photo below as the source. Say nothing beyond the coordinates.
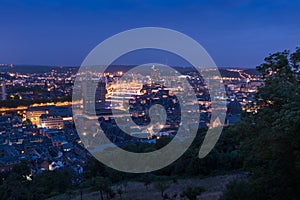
(3, 90)
(155, 75)
(51, 121)
(91, 99)
(33, 113)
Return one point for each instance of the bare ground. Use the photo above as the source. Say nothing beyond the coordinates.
(214, 187)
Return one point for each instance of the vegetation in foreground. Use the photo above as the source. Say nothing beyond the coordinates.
(272, 151)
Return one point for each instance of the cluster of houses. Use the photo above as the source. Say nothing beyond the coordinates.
(47, 147)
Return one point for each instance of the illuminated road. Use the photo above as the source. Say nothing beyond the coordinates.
(66, 103)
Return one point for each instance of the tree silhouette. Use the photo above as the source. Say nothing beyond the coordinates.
(272, 153)
(162, 186)
(192, 192)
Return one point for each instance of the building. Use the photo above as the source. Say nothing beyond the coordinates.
(64, 112)
(94, 101)
(58, 140)
(155, 75)
(100, 96)
(50, 121)
(33, 113)
(3, 90)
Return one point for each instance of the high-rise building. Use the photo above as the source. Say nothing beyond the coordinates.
(94, 101)
(155, 75)
(3, 90)
(100, 95)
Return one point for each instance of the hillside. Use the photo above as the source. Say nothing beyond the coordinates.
(214, 187)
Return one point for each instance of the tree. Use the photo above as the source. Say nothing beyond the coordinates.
(237, 190)
(21, 169)
(120, 191)
(192, 192)
(147, 179)
(102, 185)
(16, 184)
(27, 122)
(70, 194)
(162, 186)
(13, 188)
(273, 154)
(98, 184)
(50, 183)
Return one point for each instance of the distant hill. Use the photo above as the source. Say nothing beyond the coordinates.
(226, 73)
(25, 69)
(252, 71)
(31, 69)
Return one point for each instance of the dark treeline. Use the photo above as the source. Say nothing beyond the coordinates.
(19, 184)
(272, 150)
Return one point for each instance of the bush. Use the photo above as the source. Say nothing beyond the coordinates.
(237, 190)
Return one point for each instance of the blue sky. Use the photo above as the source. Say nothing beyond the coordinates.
(235, 33)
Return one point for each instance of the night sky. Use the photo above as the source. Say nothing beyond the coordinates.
(236, 33)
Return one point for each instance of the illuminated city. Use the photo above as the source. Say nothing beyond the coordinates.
(149, 100)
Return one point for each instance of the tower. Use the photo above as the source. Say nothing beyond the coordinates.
(100, 95)
(94, 101)
(155, 75)
(3, 90)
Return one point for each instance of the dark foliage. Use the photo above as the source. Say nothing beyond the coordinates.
(272, 151)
